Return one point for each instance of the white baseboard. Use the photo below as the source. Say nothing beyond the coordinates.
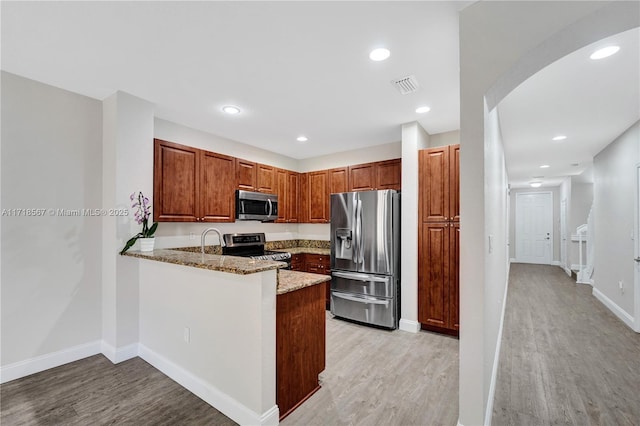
(409, 325)
(555, 263)
(121, 354)
(210, 394)
(496, 361)
(40, 363)
(575, 266)
(613, 307)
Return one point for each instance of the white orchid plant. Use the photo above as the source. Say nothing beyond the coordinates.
(142, 206)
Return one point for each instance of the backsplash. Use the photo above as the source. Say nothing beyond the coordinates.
(269, 245)
(276, 245)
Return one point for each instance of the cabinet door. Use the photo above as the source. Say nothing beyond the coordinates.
(281, 191)
(176, 182)
(338, 180)
(266, 180)
(454, 182)
(362, 177)
(433, 275)
(389, 174)
(304, 212)
(318, 197)
(246, 175)
(434, 184)
(218, 183)
(454, 275)
(293, 180)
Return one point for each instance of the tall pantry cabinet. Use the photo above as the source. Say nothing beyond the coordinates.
(439, 239)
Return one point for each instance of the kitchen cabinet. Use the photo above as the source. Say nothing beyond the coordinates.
(338, 180)
(438, 291)
(318, 183)
(304, 198)
(300, 345)
(375, 176)
(389, 174)
(362, 177)
(316, 264)
(192, 185)
(246, 175)
(439, 239)
(440, 183)
(266, 178)
(287, 189)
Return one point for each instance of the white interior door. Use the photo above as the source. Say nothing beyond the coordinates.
(534, 227)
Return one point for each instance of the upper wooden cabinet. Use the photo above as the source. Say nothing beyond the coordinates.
(378, 175)
(389, 174)
(192, 185)
(287, 189)
(362, 177)
(338, 180)
(304, 199)
(266, 179)
(246, 175)
(319, 196)
(440, 183)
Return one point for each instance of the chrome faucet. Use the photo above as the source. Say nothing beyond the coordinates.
(204, 234)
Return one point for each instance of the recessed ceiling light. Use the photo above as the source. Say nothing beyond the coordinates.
(545, 166)
(535, 184)
(230, 109)
(379, 54)
(559, 138)
(604, 52)
(423, 109)
(302, 139)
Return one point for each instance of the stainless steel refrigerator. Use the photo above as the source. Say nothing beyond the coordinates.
(365, 257)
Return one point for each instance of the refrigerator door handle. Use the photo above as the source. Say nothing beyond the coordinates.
(360, 299)
(359, 277)
(360, 248)
(358, 230)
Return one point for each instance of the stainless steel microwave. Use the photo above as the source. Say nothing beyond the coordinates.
(256, 206)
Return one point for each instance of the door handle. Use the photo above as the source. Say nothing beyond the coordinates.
(360, 300)
(637, 259)
(359, 277)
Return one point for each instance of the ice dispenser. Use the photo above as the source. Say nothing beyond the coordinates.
(343, 241)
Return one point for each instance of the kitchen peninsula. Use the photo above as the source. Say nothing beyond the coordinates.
(219, 325)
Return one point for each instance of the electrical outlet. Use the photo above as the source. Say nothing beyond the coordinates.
(187, 335)
(621, 286)
(192, 236)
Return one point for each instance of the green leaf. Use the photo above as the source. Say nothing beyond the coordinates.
(152, 230)
(130, 243)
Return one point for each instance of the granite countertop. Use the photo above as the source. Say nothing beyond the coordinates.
(293, 280)
(214, 262)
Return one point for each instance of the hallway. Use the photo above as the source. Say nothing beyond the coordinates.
(565, 359)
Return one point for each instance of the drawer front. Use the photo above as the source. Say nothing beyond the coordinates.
(370, 310)
(364, 284)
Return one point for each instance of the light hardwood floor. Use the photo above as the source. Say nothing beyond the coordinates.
(373, 377)
(565, 359)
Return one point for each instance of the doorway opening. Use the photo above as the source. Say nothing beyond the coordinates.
(534, 227)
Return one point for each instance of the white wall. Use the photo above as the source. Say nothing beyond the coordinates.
(501, 45)
(414, 138)
(357, 156)
(496, 192)
(555, 190)
(51, 264)
(444, 139)
(614, 186)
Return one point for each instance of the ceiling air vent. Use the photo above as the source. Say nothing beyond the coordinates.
(405, 85)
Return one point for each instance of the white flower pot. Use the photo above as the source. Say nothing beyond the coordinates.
(146, 244)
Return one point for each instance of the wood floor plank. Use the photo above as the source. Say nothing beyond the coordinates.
(565, 359)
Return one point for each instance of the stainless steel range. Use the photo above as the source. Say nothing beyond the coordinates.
(252, 245)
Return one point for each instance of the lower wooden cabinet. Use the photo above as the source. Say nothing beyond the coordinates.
(438, 276)
(300, 345)
(315, 264)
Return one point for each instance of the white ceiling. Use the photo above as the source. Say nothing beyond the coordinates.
(293, 67)
(303, 68)
(591, 102)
